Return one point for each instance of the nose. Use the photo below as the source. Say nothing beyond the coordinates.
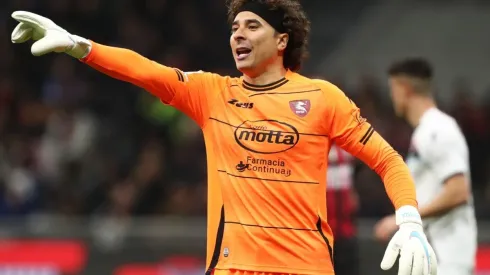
(238, 35)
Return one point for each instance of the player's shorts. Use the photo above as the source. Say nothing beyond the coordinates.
(244, 272)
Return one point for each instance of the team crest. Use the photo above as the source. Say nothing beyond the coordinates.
(300, 107)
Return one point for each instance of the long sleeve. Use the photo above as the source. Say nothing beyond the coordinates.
(129, 66)
(189, 92)
(355, 135)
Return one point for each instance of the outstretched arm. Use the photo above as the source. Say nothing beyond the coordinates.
(126, 65)
(191, 93)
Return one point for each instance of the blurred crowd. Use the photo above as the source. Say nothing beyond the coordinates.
(75, 142)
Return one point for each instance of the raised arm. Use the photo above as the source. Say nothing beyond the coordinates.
(129, 66)
(191, 93)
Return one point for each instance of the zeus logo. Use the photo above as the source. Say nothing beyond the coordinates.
(236, 103)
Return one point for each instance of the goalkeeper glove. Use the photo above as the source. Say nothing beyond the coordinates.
(416, 254)
(49, 37)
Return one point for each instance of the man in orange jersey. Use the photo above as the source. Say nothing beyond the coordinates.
(267, 135)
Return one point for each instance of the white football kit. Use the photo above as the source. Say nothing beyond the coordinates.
(438, 151)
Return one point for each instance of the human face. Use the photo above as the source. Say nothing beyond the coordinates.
(399, 95)
(255, 44)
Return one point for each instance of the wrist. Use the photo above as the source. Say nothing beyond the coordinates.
(408, 214)
(81, 47)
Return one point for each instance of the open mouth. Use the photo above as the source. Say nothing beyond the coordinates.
(242, 53)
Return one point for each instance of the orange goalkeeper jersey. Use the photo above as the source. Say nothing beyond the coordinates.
(267, 149)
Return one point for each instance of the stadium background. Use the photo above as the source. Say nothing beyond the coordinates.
(97, 177)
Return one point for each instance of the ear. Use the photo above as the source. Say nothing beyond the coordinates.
(282, 41)
(408, 87)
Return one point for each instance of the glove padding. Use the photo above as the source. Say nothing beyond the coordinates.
(416, 254)
(49, 37)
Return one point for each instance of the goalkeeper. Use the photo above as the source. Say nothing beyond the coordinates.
(267, 136)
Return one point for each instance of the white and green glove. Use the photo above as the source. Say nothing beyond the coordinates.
(49, 37)
(416, 254)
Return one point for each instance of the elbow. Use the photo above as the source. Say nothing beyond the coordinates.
(458, 190)
(390, 160)
(146, 81)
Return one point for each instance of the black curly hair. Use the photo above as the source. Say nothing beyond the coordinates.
(295, 22)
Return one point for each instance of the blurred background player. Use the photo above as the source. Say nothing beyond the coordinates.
(342, 205)
(439, 161)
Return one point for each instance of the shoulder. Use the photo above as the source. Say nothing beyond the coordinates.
(437, 133)
(208, 78)
(324, 85)
(187, 75)
(438, 124)
(327, 88)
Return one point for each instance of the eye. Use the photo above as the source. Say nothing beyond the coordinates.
(253, 27)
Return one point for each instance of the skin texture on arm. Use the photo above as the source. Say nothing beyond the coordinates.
(443, 150)
(450, 169)
(454, 193)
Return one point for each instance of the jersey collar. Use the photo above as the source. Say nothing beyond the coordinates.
(266, 87)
